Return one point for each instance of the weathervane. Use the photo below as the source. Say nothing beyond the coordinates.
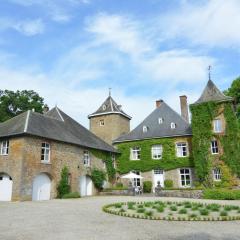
(209, 72)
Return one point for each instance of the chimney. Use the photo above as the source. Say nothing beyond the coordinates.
(184, 107)
(45, 109)
(158, 103)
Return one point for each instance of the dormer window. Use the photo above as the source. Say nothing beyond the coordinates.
(160, 120)
(173, 125)
(101, 122)
(145, 129)
(104, 107)
(217, 125)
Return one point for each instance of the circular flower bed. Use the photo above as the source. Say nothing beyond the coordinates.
(175, 211)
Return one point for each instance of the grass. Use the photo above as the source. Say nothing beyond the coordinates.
(71, 195)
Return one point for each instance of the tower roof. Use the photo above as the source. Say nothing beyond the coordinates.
(109, 107)
(212, 93)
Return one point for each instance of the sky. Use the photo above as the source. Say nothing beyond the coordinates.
(72, 51)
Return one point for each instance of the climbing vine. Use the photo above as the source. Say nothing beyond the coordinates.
(146, 163)
(107, 158)
(202, 116)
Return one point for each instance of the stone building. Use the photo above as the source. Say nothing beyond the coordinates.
(34, 149)
(109, 121)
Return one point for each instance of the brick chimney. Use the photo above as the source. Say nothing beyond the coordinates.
(184, 108)
(158, 103)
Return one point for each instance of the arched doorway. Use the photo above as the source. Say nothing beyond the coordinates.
(5, 187)
(41, 187)
(85, 183)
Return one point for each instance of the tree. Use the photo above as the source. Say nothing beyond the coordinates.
(234, 91)
(63, 186)
(13, 103)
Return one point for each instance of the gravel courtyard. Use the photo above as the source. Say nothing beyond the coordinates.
(83, 219)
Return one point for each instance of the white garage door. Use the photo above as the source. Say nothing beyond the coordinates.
(41, 187)
(5, 187)
(85, 186)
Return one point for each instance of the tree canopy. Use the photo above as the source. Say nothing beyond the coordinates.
(234, 91)
(13, 103)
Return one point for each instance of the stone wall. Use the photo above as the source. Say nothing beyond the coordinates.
(115, 125)
(196, 194)
(23, 164)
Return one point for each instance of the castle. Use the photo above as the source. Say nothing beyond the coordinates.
(163, 148)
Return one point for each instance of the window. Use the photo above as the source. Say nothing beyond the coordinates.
(104, 107)
(145, 129)
(214, 147)
(101, 122)
(86, 158)
(185, 177)
(217, 174)
(4, 147)
(182, 150)
(173, 125)
(135, 153)
(157, 151)
(45, 153)
(160, 120)
(136, 181)
(217, 125)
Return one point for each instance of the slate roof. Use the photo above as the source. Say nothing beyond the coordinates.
(55, 125)
(212, 93)
(156, 130)
(109, 107)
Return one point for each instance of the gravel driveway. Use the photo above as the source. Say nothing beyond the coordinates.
(83, 219)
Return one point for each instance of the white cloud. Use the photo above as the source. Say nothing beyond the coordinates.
(215, 23)
(30, 27)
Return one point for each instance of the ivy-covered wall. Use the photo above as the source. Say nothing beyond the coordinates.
(202, 117)
(146, 163)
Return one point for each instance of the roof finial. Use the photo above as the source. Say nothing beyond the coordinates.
(110, 89)
(209, 72)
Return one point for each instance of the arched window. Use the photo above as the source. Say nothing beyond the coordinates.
(160, 120)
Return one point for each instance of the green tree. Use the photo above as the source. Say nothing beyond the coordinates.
(63, 186)
(13, 103)
(234, 91)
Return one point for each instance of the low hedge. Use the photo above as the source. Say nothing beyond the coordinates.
(221, 194)
(71, 195)
(147, 187)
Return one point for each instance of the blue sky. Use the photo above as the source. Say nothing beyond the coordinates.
(72, 51)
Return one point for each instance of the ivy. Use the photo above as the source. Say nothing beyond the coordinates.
(202, 116)
(98, 178)
(169, 160)
(107, 158)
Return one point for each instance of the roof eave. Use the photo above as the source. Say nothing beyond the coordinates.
(107, 113)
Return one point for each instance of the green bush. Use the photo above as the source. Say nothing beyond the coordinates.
(98, 178)
(119, 184)
(213, 207)
(223, 213)
(221, 194)
(160, 209)
(173, 208)
(204, 211)
(140, 210)
(147, 186)
(71, 195)
(182, 211)
(63, 187)
(148, 213)
(168, 183)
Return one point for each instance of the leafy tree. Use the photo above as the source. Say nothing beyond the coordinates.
(63, 186)
(13, 103)
(234, 91)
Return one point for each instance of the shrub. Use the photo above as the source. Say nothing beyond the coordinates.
(122, 210)
(147, 186)
(140, 210)
(168, 183)
(173, 208)
(223, 213)
(193, 215)
(98, 178)
(71, 195)
(221, 194)
(119, 184)
(118, 205)
(213, 207)
(160, 209)
(149, 213)
(131, 205)
(63, 187)
(228, 208)
(204, 211)
(182, 211)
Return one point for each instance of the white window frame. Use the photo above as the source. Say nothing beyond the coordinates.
(157, 151)
(135, 153)
(136, 182)
(86, 158)
(145, 129)
(4, 147)
(217, 174)
(217, 125)
(214, 147)
(102, 122)
(45, 152)
(180, 149)
(183, 177)
(173, 125)
(160, 120)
